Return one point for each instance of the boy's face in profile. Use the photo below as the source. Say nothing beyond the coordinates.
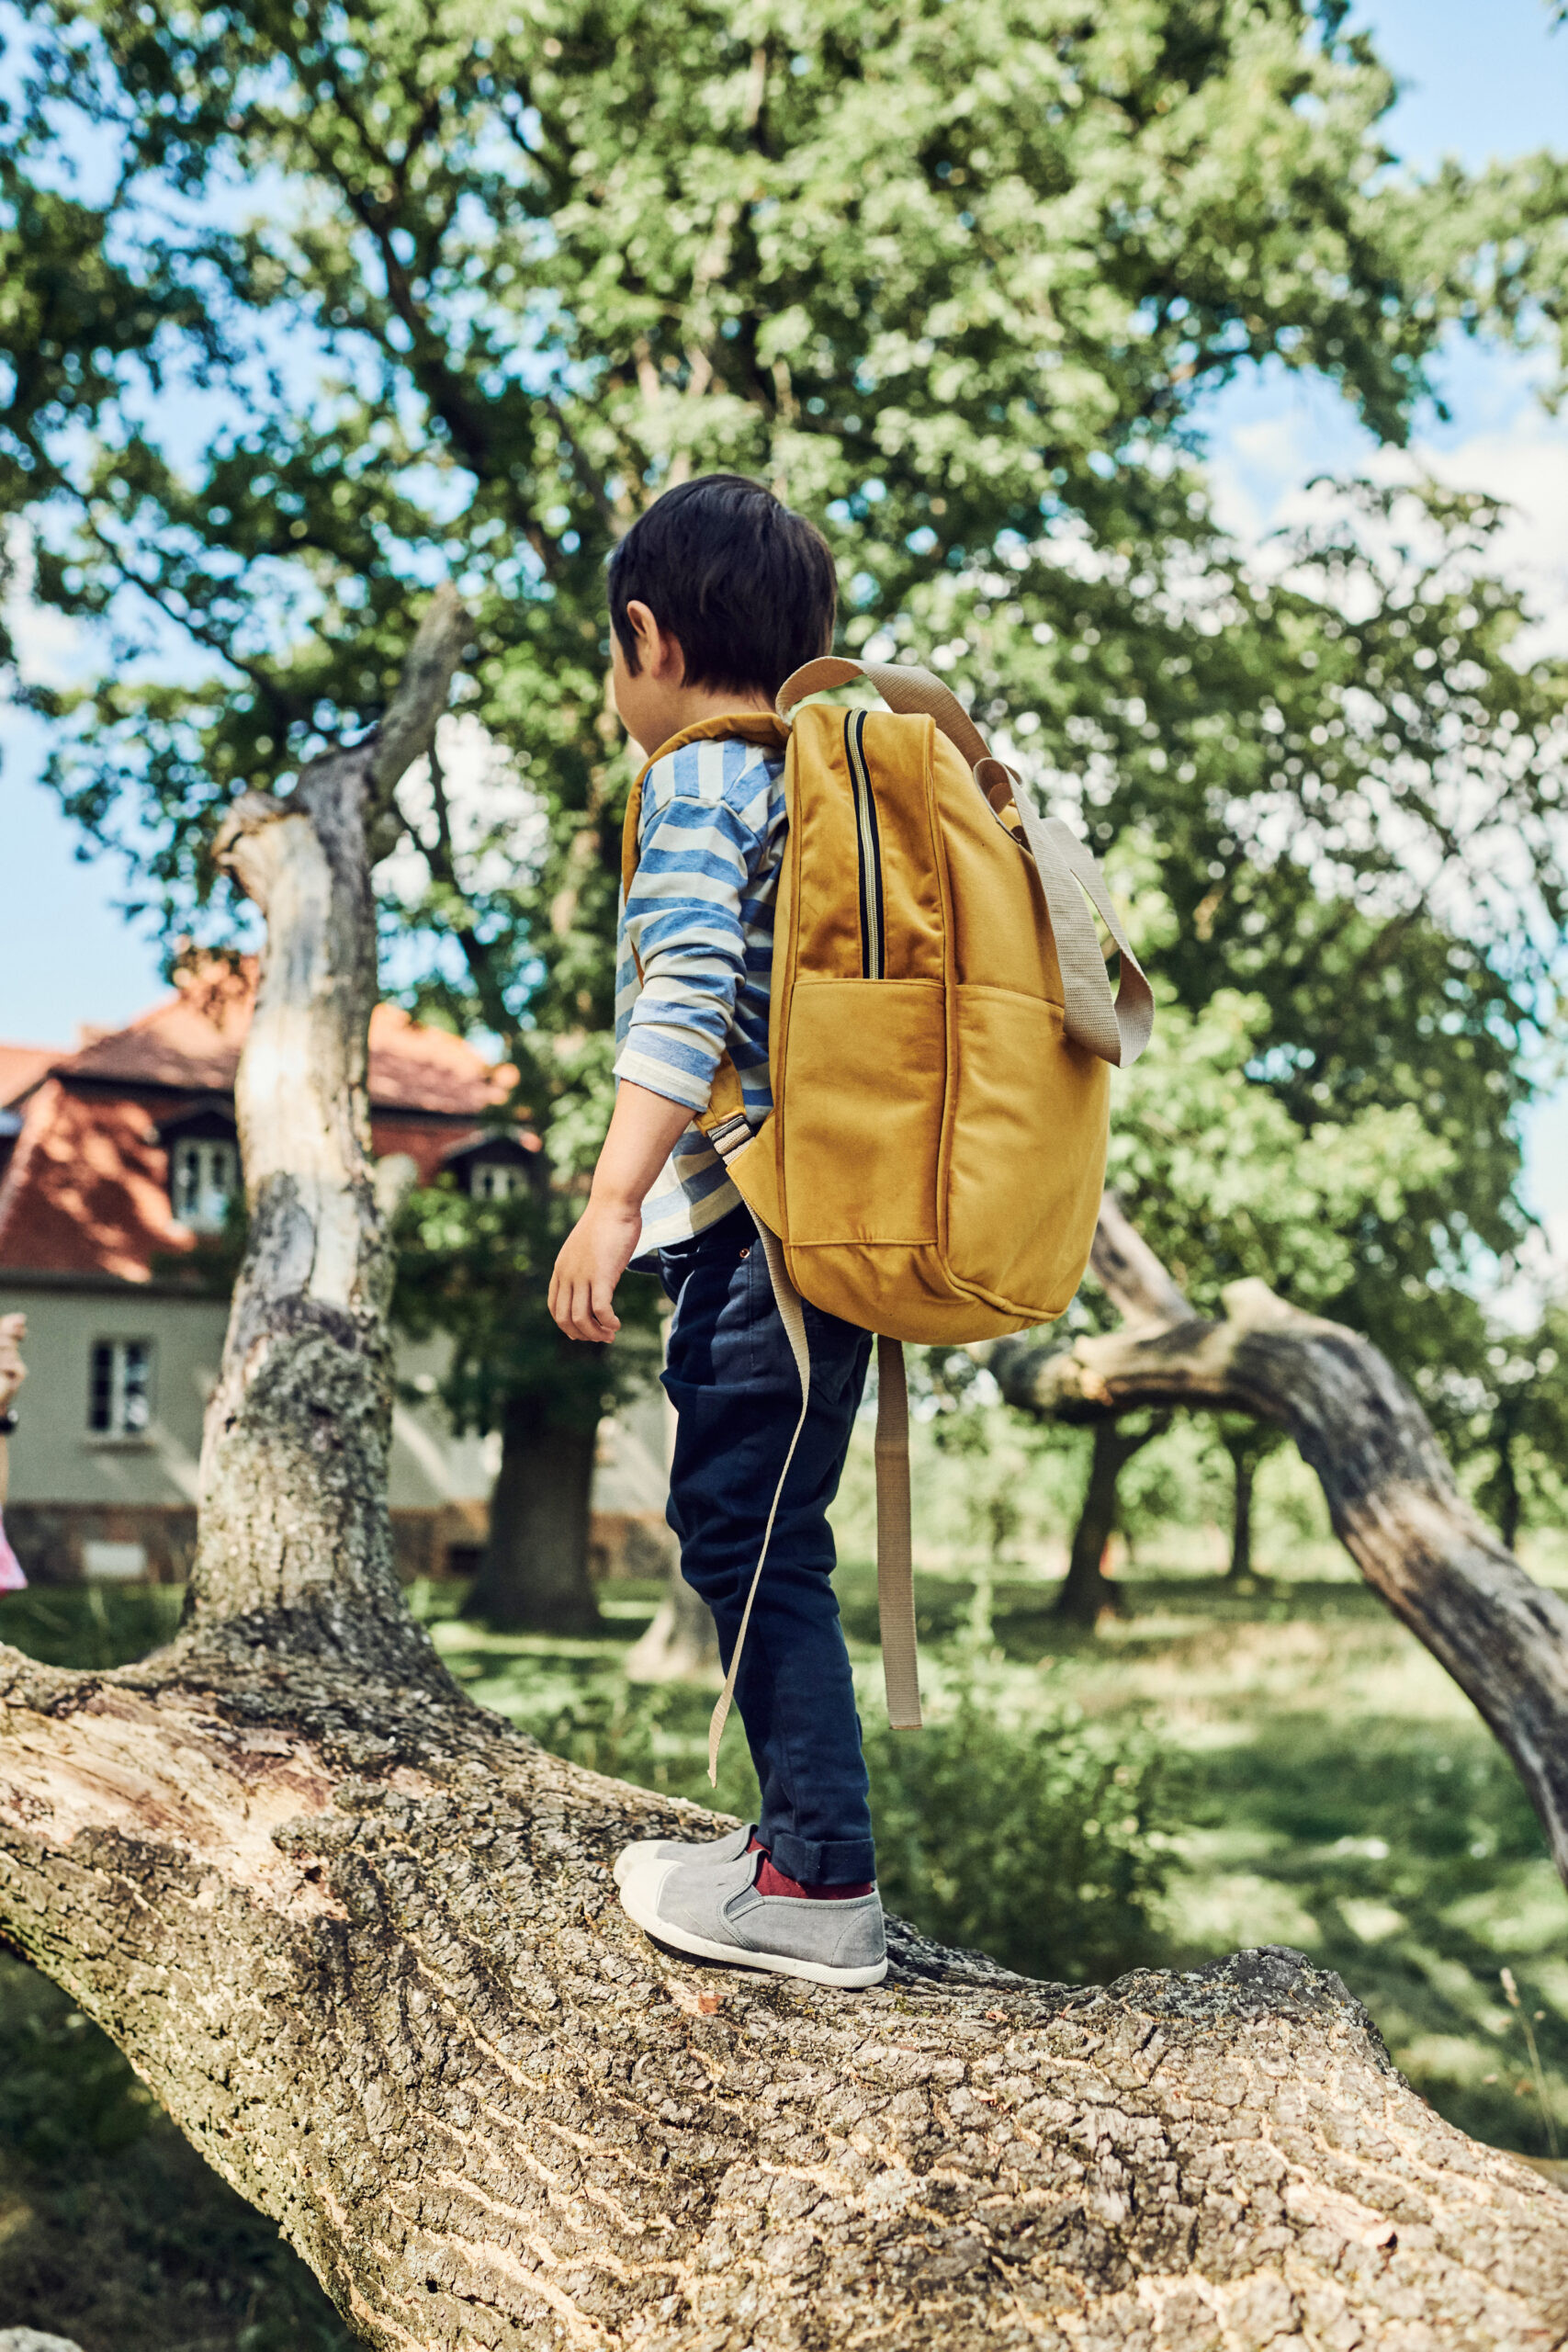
(654, 700)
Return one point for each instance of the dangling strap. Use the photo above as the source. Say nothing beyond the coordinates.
(895, 1569)
(1117, 1033)
(792, 1316)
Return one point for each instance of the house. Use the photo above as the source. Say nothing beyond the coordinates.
(118, 1163)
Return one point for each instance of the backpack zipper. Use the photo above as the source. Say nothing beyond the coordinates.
(871, 925)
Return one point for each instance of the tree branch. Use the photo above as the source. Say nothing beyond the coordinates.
(1390, 1491)
(408, 730)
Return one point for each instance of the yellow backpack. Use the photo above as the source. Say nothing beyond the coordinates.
(940, 1026)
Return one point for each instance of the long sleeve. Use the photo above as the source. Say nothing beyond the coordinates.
(705, 830)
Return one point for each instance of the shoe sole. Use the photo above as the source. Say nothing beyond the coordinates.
(645, 1915)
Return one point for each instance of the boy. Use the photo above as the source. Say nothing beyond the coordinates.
(716, 594)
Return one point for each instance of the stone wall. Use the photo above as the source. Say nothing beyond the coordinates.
(154, 1542)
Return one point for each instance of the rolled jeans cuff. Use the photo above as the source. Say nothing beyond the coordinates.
(847, 1862)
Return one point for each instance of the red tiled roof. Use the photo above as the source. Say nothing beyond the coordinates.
(192, 1040)
(86, 1190)
(415, 1068)
(21, 1067)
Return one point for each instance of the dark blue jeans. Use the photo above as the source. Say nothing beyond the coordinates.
(732, 1380)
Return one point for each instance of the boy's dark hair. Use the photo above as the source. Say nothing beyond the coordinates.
(745, 587)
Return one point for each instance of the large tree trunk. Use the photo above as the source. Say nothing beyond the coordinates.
(1390, 1490)
(534, 1577)
(361, 1941)
(1088, 1594)
(682, 1642)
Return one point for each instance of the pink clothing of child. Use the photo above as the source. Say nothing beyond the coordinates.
(11, 1576)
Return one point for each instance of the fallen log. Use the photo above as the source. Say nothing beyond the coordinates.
(1391, 1493)
(360, 1939)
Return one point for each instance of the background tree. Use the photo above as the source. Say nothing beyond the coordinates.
(1518, 1424)
(479, 1271)
(960, 288)
(1225, 1185)
(1249, 1444)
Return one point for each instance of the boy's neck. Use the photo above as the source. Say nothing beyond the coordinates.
(685, 707)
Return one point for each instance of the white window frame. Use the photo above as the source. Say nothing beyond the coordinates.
(119, 1384)
(496, 1180)
(204, 1175)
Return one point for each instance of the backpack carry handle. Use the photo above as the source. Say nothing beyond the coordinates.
(905, 687)
(1068, 871)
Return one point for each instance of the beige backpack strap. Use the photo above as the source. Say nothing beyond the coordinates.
(903, 687)
(1116, 1031)
(895, 1567)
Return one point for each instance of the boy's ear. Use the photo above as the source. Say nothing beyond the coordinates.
(659, 653)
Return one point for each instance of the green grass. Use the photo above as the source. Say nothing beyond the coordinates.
(1284, 1765)
(113, 2231)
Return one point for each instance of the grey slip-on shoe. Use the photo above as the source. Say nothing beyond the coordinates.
(713, 1912)
(727, 1848)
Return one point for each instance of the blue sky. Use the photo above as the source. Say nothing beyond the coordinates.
(1482, 79)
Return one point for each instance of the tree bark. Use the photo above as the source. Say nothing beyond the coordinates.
(361, 1941)
(1087, 1593)
(534, 1577)
(1390, 1491)
(1246, 1468)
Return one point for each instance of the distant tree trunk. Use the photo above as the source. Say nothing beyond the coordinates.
(1248, 1444)
(1505, 1484)
(533, 1577)
(1087, 1593)
(682, 1643)
(1244, 1461)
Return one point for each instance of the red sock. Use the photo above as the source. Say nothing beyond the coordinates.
(774, 1881)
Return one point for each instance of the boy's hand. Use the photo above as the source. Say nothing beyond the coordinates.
(592, 1260)
(599, 1251)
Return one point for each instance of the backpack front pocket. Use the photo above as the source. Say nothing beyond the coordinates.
(860, 1142)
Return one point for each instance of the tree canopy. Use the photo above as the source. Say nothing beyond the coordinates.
(359, 298)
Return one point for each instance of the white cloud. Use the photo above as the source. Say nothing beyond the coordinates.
(497, 820)
(52, 649)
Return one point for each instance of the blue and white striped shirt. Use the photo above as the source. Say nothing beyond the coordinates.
(700, 922)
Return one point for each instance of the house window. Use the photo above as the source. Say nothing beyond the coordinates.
(205, 1173)
(120, 1400)
(496, 1180)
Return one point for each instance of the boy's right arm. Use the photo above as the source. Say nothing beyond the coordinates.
(684, 927)
(644, 1130)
